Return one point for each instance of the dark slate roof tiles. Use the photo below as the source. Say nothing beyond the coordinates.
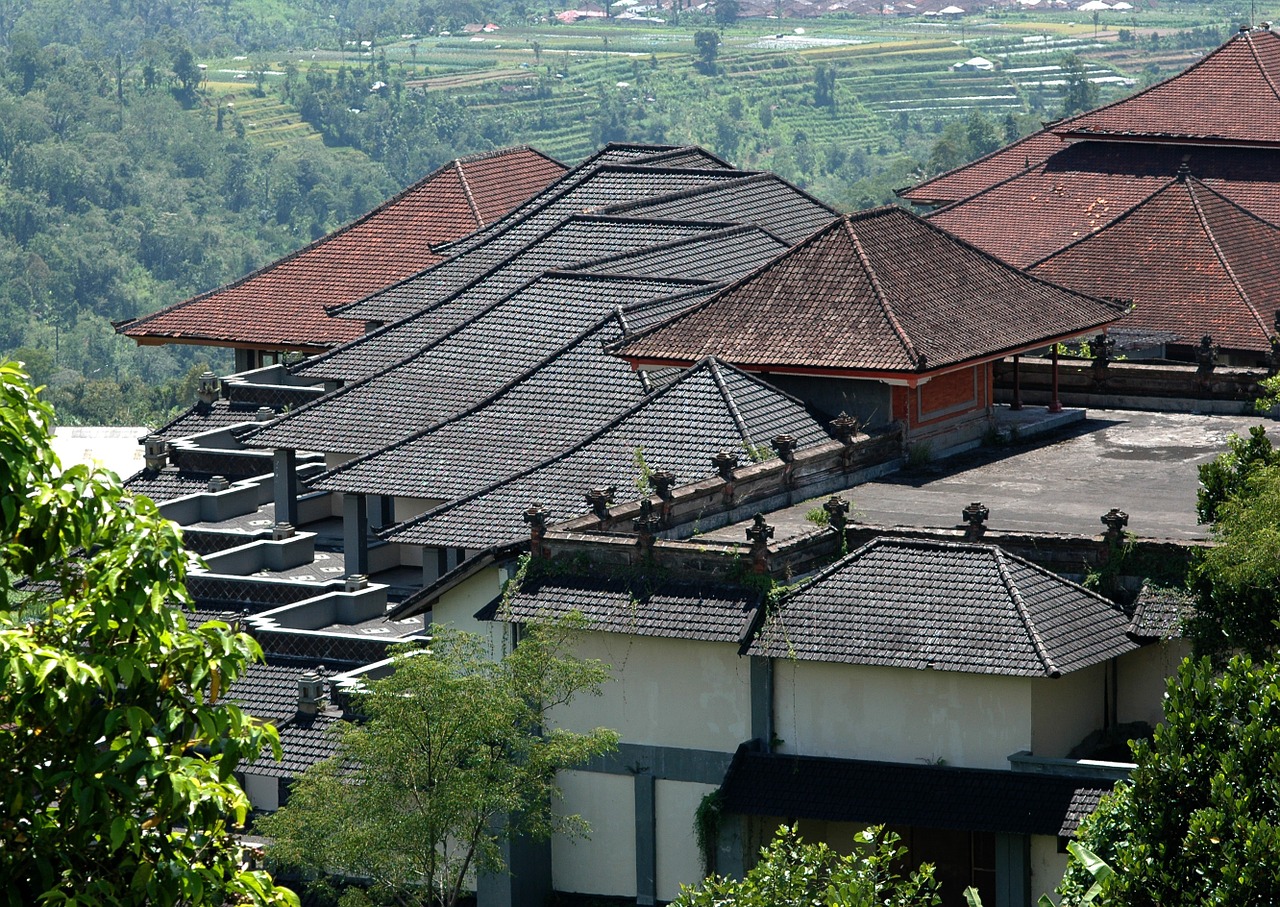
(722, 256)
(882, 291)
(679, 428)
(706, 612)
(946, 606)
(166, 484)
(574, 240)
(207, 417)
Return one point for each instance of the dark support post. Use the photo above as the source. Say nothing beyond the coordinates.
(1055, 405)
(1017, 384)
(646, 840)
(761, 677)
(355, 534)
(527, 883)
(1013, 870)
(284, 465)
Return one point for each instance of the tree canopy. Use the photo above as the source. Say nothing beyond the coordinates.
(116, 757)
(454, 743)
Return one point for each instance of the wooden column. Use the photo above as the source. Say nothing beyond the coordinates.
(1055, 405)
(1017, 384)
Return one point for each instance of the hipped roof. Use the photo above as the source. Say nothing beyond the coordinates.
(879, 293)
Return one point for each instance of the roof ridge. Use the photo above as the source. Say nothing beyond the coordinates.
(1024, 614)
(1123, 215)
(727, 396)
(466, 193)
(749, 177)
(985, 157)
(1262, 70)
(885, 305)
(1222, 257)
(722, 232)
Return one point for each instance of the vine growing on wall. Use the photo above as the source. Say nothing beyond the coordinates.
(706, 828)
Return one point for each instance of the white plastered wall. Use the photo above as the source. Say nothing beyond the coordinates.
(679, 860)
(458, 606)
(603, 863)
(1047, 865)
(263, 791)
(1142, 677)
(666, 692)
(1066, 709)
(899, 714)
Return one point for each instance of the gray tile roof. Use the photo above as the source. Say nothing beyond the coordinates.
(166, 484)
(464, 368)
(549, 408)
(574, 240)
(679, 428)
(207, 417)
(608, 185)
(1159, 611)
(762, 199)
(304, 740)
(930, 796)
(721, 256)
(949, 606)
(644, 606)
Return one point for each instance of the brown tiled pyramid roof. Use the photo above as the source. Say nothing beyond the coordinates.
(283, 304)
(878, 292)
(948, 606)
(1231, 97)
(1193, 262)
(1087, 185)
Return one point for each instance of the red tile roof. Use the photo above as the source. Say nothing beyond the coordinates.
(1193, 262)
(1231, 97)
(1089, 184)
(878, 292)
(282, 305)
(977, 175)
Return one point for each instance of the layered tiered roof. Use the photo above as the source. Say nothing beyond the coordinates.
(282, 306)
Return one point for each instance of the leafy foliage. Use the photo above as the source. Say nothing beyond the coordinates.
(116, 758)
(792, 873)
(1199, 823)
(453, 742)
(1226, 474)
(1237, 581)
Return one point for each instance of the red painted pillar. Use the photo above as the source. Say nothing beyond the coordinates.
(1017, 384)
(1055, 405)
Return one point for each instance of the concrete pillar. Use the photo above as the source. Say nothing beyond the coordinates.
(527, 882)
(761, 676)
(1017, 383)
(646, 840)
(284, 464)
(731, 848)
(383, 514)
(355, 534)
(1055, 405)
(1013, 871)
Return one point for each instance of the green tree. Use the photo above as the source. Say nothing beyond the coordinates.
(707, 43)
(793, 873)
(1199, 822)
(1237, 581)
(453, 741)
(726, 12)
(1078, 93)
(1226, 474)
(116, 784)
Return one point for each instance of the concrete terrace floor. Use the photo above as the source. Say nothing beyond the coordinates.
(1144, 463)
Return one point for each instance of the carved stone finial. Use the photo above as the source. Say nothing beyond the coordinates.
(837, 509)
(647, 525)
(599, 500)
(155, 452)
(281, 531)
(759, 533)
(846, 428)
(536, 518)
(663, 481)
(208, 389)
(1206, 357)
(218, 483)
(725, 463)
(264, 414)
(975, 515)
(1115, 520)
(785, 447)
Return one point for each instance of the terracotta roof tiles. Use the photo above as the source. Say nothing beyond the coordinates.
(283, 304)
(881, 291)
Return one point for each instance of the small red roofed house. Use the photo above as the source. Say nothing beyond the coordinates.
(283, 307)
(883, 316)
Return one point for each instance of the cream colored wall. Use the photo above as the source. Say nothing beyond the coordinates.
(897, 714)
(458, 606)
(263, 791)
(408, 508)
(1047, 865)
(666, 692)
(1142, 677)
(1066, 709)
(679, 860)
(603, 863)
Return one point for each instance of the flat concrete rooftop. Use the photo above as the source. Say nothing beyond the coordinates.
(1144, 463)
